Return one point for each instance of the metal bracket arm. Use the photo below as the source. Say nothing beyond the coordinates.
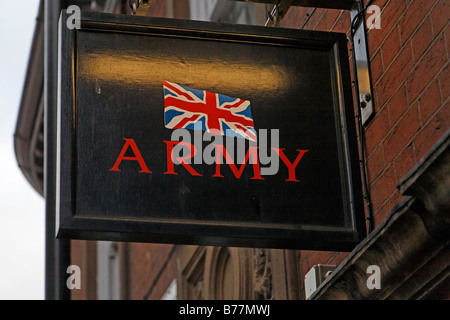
(140, 7)
(278, 12)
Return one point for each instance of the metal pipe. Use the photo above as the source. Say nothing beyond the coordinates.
(57, 252)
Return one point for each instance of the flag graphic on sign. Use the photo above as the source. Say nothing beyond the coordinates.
(187, 108)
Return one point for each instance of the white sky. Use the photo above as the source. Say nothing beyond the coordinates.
(22, 214)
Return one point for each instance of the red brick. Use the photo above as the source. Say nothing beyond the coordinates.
(304, 268)
(76, 258)
(404, 162)
(305, 14)
(377, 130)
(379, 3)
(383, 188)
(315, 258)
(375, 164)
(397, 106)
(381, 213)
(395, 75)
(447, 35)
(430, 101)
(299, 16)
(440, 16)
(413, 16)
(389, 17)
(321, 22)
(165, 279)
(373, 18)
(343, 23)
(402, 134)
(391, 47)
(158, 9)
(432, 131)
(422, 39)
(444, 80)
(146, 262)
(315, 16)
(431, 63)
(287, 21)
(376, 67)
(328, 19)
(293, 17)
(139, 270)
(303, 254)
(318, 257)
(338, 258)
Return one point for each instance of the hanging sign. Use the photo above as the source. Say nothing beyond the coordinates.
(202, 133)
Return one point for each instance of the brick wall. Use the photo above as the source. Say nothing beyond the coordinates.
(151, 270)
(83, 254)
(157, 9)
(409, 64)
(76, 258)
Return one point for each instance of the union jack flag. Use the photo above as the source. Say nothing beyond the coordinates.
(187, 108)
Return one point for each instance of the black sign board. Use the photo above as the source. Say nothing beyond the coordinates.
(153, 148)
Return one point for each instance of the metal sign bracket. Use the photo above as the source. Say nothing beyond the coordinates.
(278, 12)
(360, 55)
(361, 65)
(139, 7)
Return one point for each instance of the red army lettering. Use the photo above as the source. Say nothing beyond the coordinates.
(252, 151)
(237, 173)
(291, 166)
(137, 157)
(182, 160)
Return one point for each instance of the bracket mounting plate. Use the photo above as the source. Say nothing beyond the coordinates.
(361, 56)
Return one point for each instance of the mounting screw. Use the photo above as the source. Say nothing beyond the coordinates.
(368, 97)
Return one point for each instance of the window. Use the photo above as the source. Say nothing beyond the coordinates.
(108, 271)
(171, 292)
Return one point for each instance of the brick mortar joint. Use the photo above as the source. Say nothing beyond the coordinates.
(410, 142)
(420, 24)
(407, 76)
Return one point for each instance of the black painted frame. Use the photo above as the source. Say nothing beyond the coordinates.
(319, 237)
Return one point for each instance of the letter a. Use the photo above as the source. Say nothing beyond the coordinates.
(373, 281)
(73, 22)
(137, 157)
(74, 281)
(374, 21)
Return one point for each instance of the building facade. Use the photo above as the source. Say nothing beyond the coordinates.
(406, 161)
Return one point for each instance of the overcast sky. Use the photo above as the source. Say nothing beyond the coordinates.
(21, 207)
